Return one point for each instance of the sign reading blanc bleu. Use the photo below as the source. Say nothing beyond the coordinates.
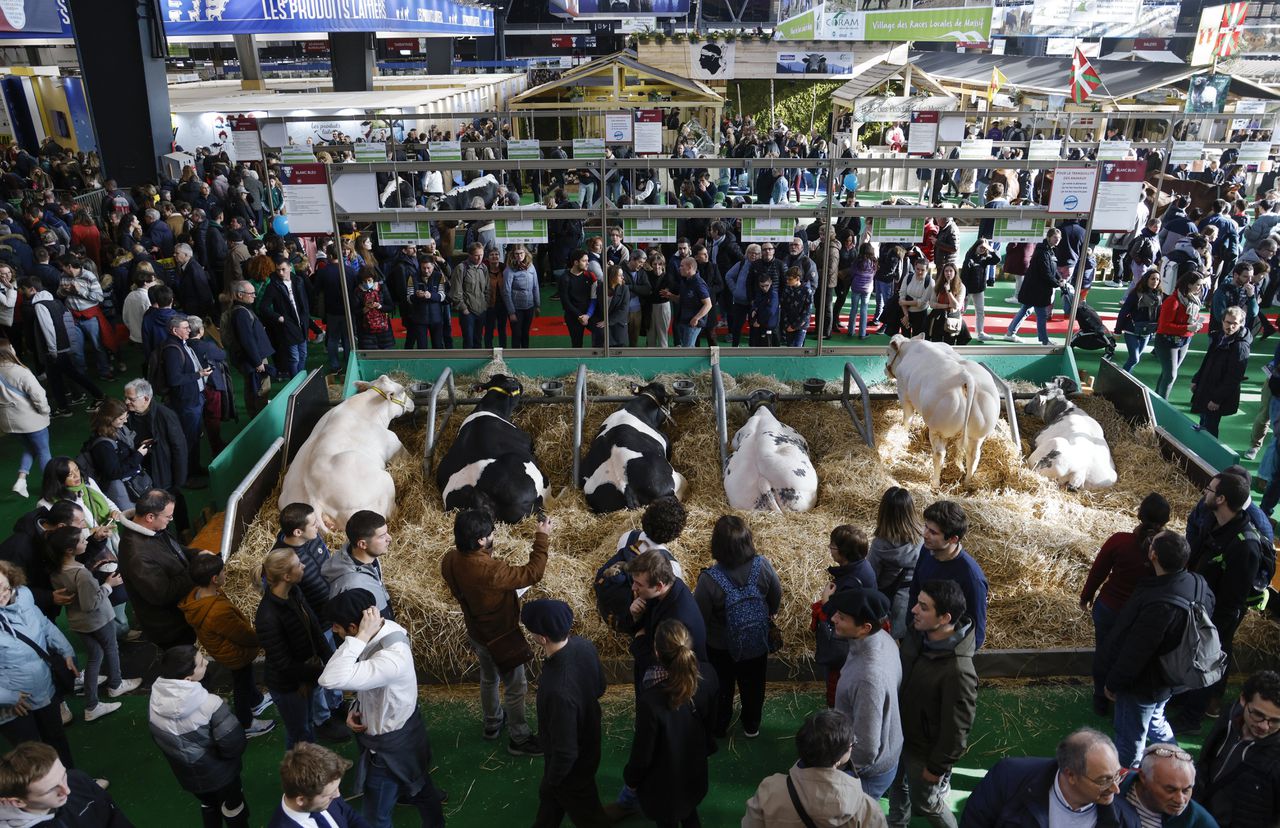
(223, 17)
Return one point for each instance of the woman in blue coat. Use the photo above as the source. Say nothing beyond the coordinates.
(29, 702)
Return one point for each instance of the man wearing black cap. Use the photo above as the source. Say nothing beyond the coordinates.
(376, 663)
(868, 688)
(569, 692)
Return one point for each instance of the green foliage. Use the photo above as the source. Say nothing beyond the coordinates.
(793, 101)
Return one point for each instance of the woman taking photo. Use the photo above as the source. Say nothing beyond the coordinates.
(24, 413)
(1139, 316)
(737, 566)
(115, 460)
(520, 294)
(1179, 321)
(946, 308)
(973, 274)
(668, 764)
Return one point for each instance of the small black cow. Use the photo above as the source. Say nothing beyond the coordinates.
(629, 463)
(491, 463)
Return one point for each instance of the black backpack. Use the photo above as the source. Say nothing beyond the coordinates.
(84, 460)
(155, 371)
(1198, 661)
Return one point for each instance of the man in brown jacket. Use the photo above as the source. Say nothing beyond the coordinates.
(488, 589)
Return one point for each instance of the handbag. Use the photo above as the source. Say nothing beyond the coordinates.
(510, 650)
(830, 651)
(64, 680)
(795, 803)
(139, 484)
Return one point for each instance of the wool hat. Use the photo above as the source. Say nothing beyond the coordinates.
(347, 607)
(548, 617)
(860, 603)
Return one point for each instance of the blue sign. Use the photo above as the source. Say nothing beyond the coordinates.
(30, 17)
(232, 17)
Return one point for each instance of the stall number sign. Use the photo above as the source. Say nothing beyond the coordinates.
(1113, 150)
(649, 230)
(897, 229)
(1019, 230)
(768, 229)
(1254, 153)
(1044, 149)
(975, 148)
(523, 150)
(371, 152)
(521, 231)
(400, 233)
(1186, 152)
(588, 148)
(297, 155)
(445, 150)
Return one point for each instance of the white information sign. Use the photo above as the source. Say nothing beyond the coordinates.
(588, 148)
(306, 198)
(445, 150)
(1186, 152)
(617, 126)
(244, 138)
(975, 148)
(1118, 195)
(1254, 152)
(1113, 150)
(1072, 190)
(1044, 149)
(523, 150)
(648, 131)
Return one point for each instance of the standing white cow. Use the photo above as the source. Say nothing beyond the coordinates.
(1071, 448)
(957, 398)
(342, 467)
(770, 468)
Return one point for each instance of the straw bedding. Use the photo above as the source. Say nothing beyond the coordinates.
(1034, 540)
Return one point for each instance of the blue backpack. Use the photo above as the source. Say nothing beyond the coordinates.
(746, 614)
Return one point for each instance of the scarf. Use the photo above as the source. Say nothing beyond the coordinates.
(1191, 302)
(95, 503)
(11, 817)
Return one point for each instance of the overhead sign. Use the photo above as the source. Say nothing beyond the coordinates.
(815, 63)
(1114, 150)
(306, 198)
(1119, 193)
(1044, 149)
(1253, 153)
(777, 229)
(1072, 190)
(619, 8)
(871, 109)
(1019, 230)
(588, 148)
(839, 20)
(1186, 152)
(648, 230)
(222, 17)
(1087, 18)
(887, 229)
(400, 233)
(525, 149)
(976, 148)
(444, 150)
(521, 231)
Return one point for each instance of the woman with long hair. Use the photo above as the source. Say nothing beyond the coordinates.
(1139, 315)
(1120, 564)
(1179, 320)
(672, 741)
(737, 566)
(946, 308)
(520, 293)
(862, 276)
(660, 312)
(63, 480)
(895, 548)
(24, 413)
(117, 459)
(495, 314)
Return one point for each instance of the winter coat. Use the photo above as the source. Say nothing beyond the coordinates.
(1041, 279)
(1248, 792)
(1139, 309)
(1018, 258)
(155, 328)
(24, 407)
(469, 288)
(710, 597)
(432, 308)
(195, 293)
(862, 274)
(184, 393)
(1221, 371)
(154, 566)
(252, 345)
(669, 749)
(293, 642)
(25, 671)
(221, 629)
(87, 806)
(314, 554)
(344, 572)
(1193, 816)
(973, 273)
(211, 356)
(520, 289)
(197, 733)
(486, 586)
(831, 797)
(938, 696)
(330, 281)
(894, 566)
(167, 460)
(1121, 563)
(1147, 628)
(569, 692)
(286, 321)
(90, 609)
(1015, 793)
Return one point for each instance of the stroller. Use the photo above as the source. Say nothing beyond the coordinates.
(1092, 334)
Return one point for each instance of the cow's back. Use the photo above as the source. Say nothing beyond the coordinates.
(491, 464)
(770, 465)
(626, 465)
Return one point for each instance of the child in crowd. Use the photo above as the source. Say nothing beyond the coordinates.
(795, 300)
(764, 312)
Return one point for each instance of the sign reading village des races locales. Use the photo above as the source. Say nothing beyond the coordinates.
(851, 20)
(214, 17)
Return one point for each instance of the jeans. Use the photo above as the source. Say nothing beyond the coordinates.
(512, 705)
(586, 192)
(1104, 618)
(382, 791)
(335, 341)
(1170, 360)
(191, 420)
(93, 334)
(685, 335)
(1042, 321)
(1135, 343)
(295, 708)
(521, 326)
(884, 295)
(1267, 411)
(35, 448)
(875, 786)
(472, 325)
(226, 803)
(794, 339)
(979, 313)
(859, 313)
(291, 360)
(909, 794)
(1210, 420)
(100, 647)
(1136, 721)
(42, 725)
(749, 676)
(245, 694)
(495, 319)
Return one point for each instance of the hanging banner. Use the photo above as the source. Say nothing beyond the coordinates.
(1119, 192)
(648, 230)
(231, 17)
(1044, 149)
(521, 231)
(617, 127)
(872, 109)
(588, 148)
(1073, 190)
(648, 131)
(711, 61)
(897, 229)
(1207, 93)
(922, 141)
(976, 148)
(840, 20)
(400, 233)
(244, 138)
(614, 9)
(523, 150)
(1186, 152)
(768, 229)
(1019, 230)
(306, 198)
(815, 63)
(444, 150)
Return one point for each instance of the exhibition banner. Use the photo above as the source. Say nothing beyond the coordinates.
(1019, 230)
(306, 198)
(815, 63)
(841, 20)
(1119, 193)
(619, 8)
(423, 17)
(1150, 19)
(910, 230)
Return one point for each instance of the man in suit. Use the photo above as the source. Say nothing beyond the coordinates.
(310, 776)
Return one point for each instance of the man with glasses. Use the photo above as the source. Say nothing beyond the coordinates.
(1238, 779)
(1151, 625)
(1161, 792)
(1077, 788)
(247, 345)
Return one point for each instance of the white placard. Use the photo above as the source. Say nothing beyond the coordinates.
(1186, 152)
(975, 148)
(1044, 149)
(306, 198)
(768, 224)
(1254, 152)
(923, 138)
(523, 149)
(1119, 192)
(649, 224)
(617, 127)
(244, 138)
(1072, 190)
(648, 131)
(1113, 150)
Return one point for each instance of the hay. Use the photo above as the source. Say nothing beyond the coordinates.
(1034, 540)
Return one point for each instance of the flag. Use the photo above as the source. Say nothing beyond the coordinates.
(1084, 78)
(1231, 28)
(997, 80)
(1219, 32)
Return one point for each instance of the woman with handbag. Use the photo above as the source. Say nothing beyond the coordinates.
(39, 668)
(1179, 320)
(1139, 314)
(24, 413)
(118, 462)
(946, 308)
(737, 566)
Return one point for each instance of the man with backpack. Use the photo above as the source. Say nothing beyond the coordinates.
(1155, 639)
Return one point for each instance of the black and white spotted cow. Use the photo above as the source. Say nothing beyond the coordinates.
(459, 198)
(770, 469)
(491, 462)
(629, 463)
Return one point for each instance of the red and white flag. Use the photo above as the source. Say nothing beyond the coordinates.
(1231, 28)
(1084, 78)
(1219, 32)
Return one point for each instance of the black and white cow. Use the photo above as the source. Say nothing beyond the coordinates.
(491, 462)
(770, 469)
(629, 463)
(1071, 448)
(459, 198)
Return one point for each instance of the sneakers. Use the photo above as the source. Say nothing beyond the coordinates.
(60, 414)
(751, 734)
(20, 487)
(334, 730)
(100, 709)
(1248, 455)
(981, 336)
(102, 783)
(79, 689)
(65, 712)
(92, 405)
(259, 727)
(262, 706)
(1011, 338)
(132, 636)
(126, 686)
(529, 747)
(490, 734)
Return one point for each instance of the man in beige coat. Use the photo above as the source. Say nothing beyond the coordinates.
(828, 795)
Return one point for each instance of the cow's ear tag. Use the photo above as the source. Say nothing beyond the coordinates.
(635, 389)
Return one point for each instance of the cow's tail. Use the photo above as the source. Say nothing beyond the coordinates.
(969, 393)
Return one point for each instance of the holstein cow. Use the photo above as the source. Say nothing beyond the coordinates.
(491, 463)
(770, 468)
(957, 398)
(342, 467)
(629, 462)
(1071, 448)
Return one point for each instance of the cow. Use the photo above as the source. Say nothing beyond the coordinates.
(459, 198)
(957, 398)
(491, 464)
(629, 462)
(1071, 449)
(770, 469)
(342, 467)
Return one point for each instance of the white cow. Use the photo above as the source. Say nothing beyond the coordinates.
(342, 467)
(957, 398)
(770, 468)
(1071, 448)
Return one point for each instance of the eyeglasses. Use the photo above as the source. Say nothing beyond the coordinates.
(770, 247)
(1167, 752)
(1258, 717)
(1209, 490)
(1105, 782)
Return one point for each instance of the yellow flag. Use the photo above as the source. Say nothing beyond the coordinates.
(997, 80)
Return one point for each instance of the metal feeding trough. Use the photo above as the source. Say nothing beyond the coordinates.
(552, 388)
(683, 387)
(420, 391)
(815, 385)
